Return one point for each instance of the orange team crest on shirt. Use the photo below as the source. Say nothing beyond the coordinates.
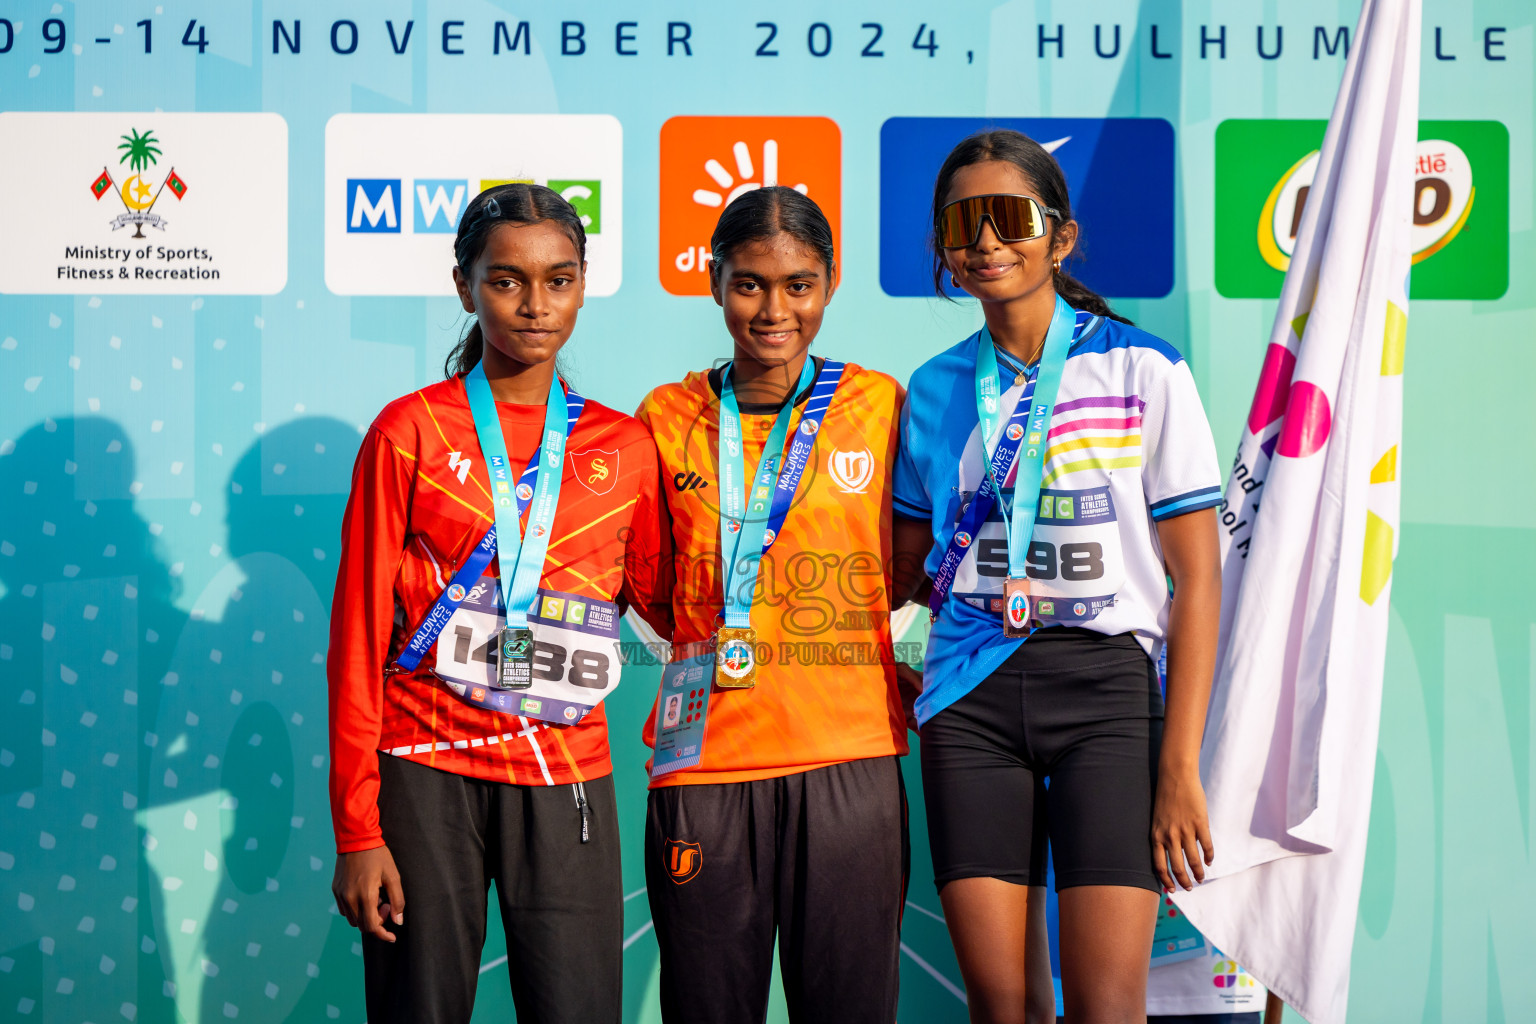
(596, 468)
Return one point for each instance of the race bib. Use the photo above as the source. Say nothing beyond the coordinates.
(1075, 564)
(575, 654)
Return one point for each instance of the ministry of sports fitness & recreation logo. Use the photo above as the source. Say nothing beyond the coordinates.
(1460, 226)
(140, 153)
(145, 203)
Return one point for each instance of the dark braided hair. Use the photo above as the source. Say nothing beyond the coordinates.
(517, 203)
(1051, 189)
(762, 213)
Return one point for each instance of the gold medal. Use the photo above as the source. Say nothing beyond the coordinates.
(1016, 609)
(736, 657)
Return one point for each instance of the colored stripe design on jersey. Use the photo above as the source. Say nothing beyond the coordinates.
(1097, 432)
(1193, 501)
(1128, 444)
(1012, 449)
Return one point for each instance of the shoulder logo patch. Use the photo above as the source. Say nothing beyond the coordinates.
(852, 471)
(459, 463)
(596, 468)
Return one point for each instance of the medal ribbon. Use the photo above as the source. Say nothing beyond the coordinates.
(1022, 442)
(464, 580)
(521, 559)
(469, 574)
(749, 525)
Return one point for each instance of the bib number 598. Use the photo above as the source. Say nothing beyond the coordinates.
(1071, 562)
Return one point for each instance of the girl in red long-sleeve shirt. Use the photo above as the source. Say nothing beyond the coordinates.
(440, 781)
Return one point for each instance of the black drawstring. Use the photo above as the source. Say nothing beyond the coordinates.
(580, 790)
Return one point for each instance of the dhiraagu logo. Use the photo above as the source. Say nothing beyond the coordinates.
(705, 162)
(1264, 177)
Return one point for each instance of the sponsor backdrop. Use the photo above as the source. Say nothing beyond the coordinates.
(227, 243)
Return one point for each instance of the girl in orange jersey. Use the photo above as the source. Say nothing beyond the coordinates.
(467, 735)
(776, 798)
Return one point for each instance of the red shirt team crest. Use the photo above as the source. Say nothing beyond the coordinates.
(596, 469)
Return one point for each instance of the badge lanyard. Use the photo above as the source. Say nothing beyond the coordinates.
(1022, 444)
(521, 559)
(463, 581)
(682, 707)
(749, 524)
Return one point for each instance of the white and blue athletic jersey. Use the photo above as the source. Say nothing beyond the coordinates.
(1129, 445)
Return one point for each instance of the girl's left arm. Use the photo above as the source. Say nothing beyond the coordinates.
(648, 568)
(1181, 832)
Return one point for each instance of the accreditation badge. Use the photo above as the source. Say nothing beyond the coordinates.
(1016, 608)
(515, 654)
(736, 657)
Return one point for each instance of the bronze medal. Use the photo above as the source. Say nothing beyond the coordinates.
(1016, 608)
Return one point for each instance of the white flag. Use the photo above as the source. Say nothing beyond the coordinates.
(1309, 530)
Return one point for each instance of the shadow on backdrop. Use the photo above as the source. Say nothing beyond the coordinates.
(237, 790)
(87, 627)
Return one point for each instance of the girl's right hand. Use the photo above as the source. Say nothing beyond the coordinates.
(367, 890)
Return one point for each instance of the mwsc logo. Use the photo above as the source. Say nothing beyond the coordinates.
(396, 186)
(1264, 175)
(381, 205)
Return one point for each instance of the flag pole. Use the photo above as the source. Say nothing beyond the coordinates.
(118, 189)
(155, 200)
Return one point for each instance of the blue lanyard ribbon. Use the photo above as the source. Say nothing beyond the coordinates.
(1022, 442)
(468, 575)
(750, 524)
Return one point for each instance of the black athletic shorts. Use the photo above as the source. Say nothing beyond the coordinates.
(1060, 743)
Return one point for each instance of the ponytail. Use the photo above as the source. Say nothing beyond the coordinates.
(1080, 296)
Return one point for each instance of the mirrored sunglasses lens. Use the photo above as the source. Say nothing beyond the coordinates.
(1015, 218)
(957, 224)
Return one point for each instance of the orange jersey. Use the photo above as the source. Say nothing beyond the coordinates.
(826, 681)
(420, 503)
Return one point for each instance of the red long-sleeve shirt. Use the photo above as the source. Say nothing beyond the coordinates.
(420, 503)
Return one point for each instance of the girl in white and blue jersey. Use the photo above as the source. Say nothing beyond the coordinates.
(1127, 480)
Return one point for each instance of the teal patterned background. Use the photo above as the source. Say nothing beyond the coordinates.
(173, 468)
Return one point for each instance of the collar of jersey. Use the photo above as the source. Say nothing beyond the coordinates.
(1086, 327)
(764, 408)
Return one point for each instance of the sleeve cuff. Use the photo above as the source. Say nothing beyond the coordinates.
(1189, 501)
(359, 845)
(908, 510)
